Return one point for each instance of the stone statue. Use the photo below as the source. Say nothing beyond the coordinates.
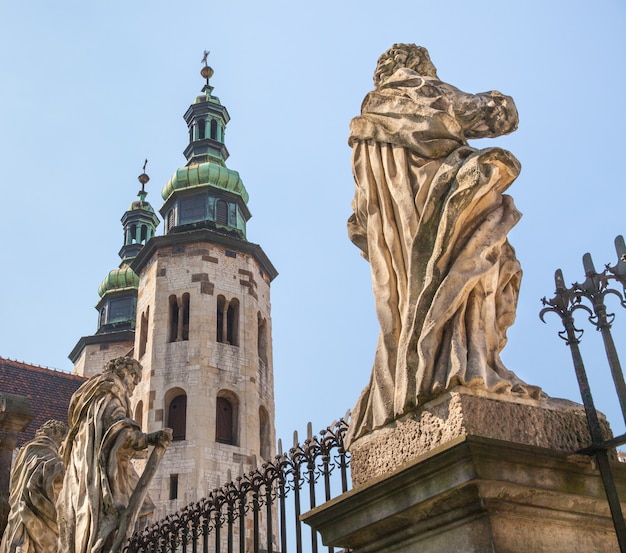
(102, 494)
(36, 480)
(431, 217)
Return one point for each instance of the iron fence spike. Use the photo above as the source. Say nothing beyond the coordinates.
(590, 270)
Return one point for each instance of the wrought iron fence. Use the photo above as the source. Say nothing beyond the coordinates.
(251, 512)
(566, 302)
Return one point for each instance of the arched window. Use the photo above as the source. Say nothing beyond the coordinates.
(232, 322)
(139, 414)
(201, 129)
(262, 339)
(185, 316)
(227, 321)
(176, 402)
(144, 234)
(226, 418)
(143, 332)
(221, 215)
(103, 317)
(213, 129)
(264, 433)
(178, 328)
(221, 304)
(173, 319)
(171, 219)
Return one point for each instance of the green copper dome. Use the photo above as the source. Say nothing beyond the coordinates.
(140, 204)
(209, 173)
(117, 280)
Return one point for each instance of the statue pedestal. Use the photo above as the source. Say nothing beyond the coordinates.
(556, 424)
(475, 472)
(476, 495)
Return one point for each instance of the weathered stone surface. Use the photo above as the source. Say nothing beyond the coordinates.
(431, 216)
(102, 494)
(477, 495)
(15, 415)
(552, 423)
(36, 481)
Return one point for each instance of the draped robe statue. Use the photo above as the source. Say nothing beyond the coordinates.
(36, 480)
(431, 217)
(94, 509)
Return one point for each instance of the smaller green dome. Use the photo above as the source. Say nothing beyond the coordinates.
(209, 173)
(140, 204)
(117, 280)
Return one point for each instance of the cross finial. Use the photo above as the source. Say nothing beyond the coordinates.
(206, 71)
(143, 179)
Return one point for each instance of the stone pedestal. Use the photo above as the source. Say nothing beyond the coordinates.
(552, 423)
(15, 416)
(476, 495)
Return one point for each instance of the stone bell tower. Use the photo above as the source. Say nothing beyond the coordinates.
(203, 331)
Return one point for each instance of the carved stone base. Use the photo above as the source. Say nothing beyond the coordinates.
(556, 424)
(477, 495)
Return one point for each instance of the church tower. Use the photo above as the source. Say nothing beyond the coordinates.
(203, 322)
(117, 307)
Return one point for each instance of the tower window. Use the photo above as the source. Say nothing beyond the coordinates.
(171, 219)
(144, 234)
(173, 486)
(232, 323)
(221, 215)
(185, 317)
(173, 319)
(120, 310)
(264, 433)
(177, 416)
(143, 332)
(227, 321)
(178, 328)
(226, 418)
(262, 339)
(201, 129)
(192, 209)
(139, 414)
(213, 129)
(103, 317)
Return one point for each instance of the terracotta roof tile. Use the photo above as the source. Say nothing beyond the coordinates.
(49, 392)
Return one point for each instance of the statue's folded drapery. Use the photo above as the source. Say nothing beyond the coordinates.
(431, 217)
(36, 480)
(99, 476)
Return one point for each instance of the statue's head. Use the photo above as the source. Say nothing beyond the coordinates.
(127, 368)
(55, 430)
(404, 55)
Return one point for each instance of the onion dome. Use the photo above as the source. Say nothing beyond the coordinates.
(119, 280)
(205, 193)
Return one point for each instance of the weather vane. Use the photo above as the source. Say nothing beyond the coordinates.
(204, 57)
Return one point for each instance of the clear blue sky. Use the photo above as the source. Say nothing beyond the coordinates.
(90, 89)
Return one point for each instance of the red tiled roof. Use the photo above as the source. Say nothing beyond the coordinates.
(49, 392)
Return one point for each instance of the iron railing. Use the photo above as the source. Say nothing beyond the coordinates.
(250, 513)
(565, 303)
